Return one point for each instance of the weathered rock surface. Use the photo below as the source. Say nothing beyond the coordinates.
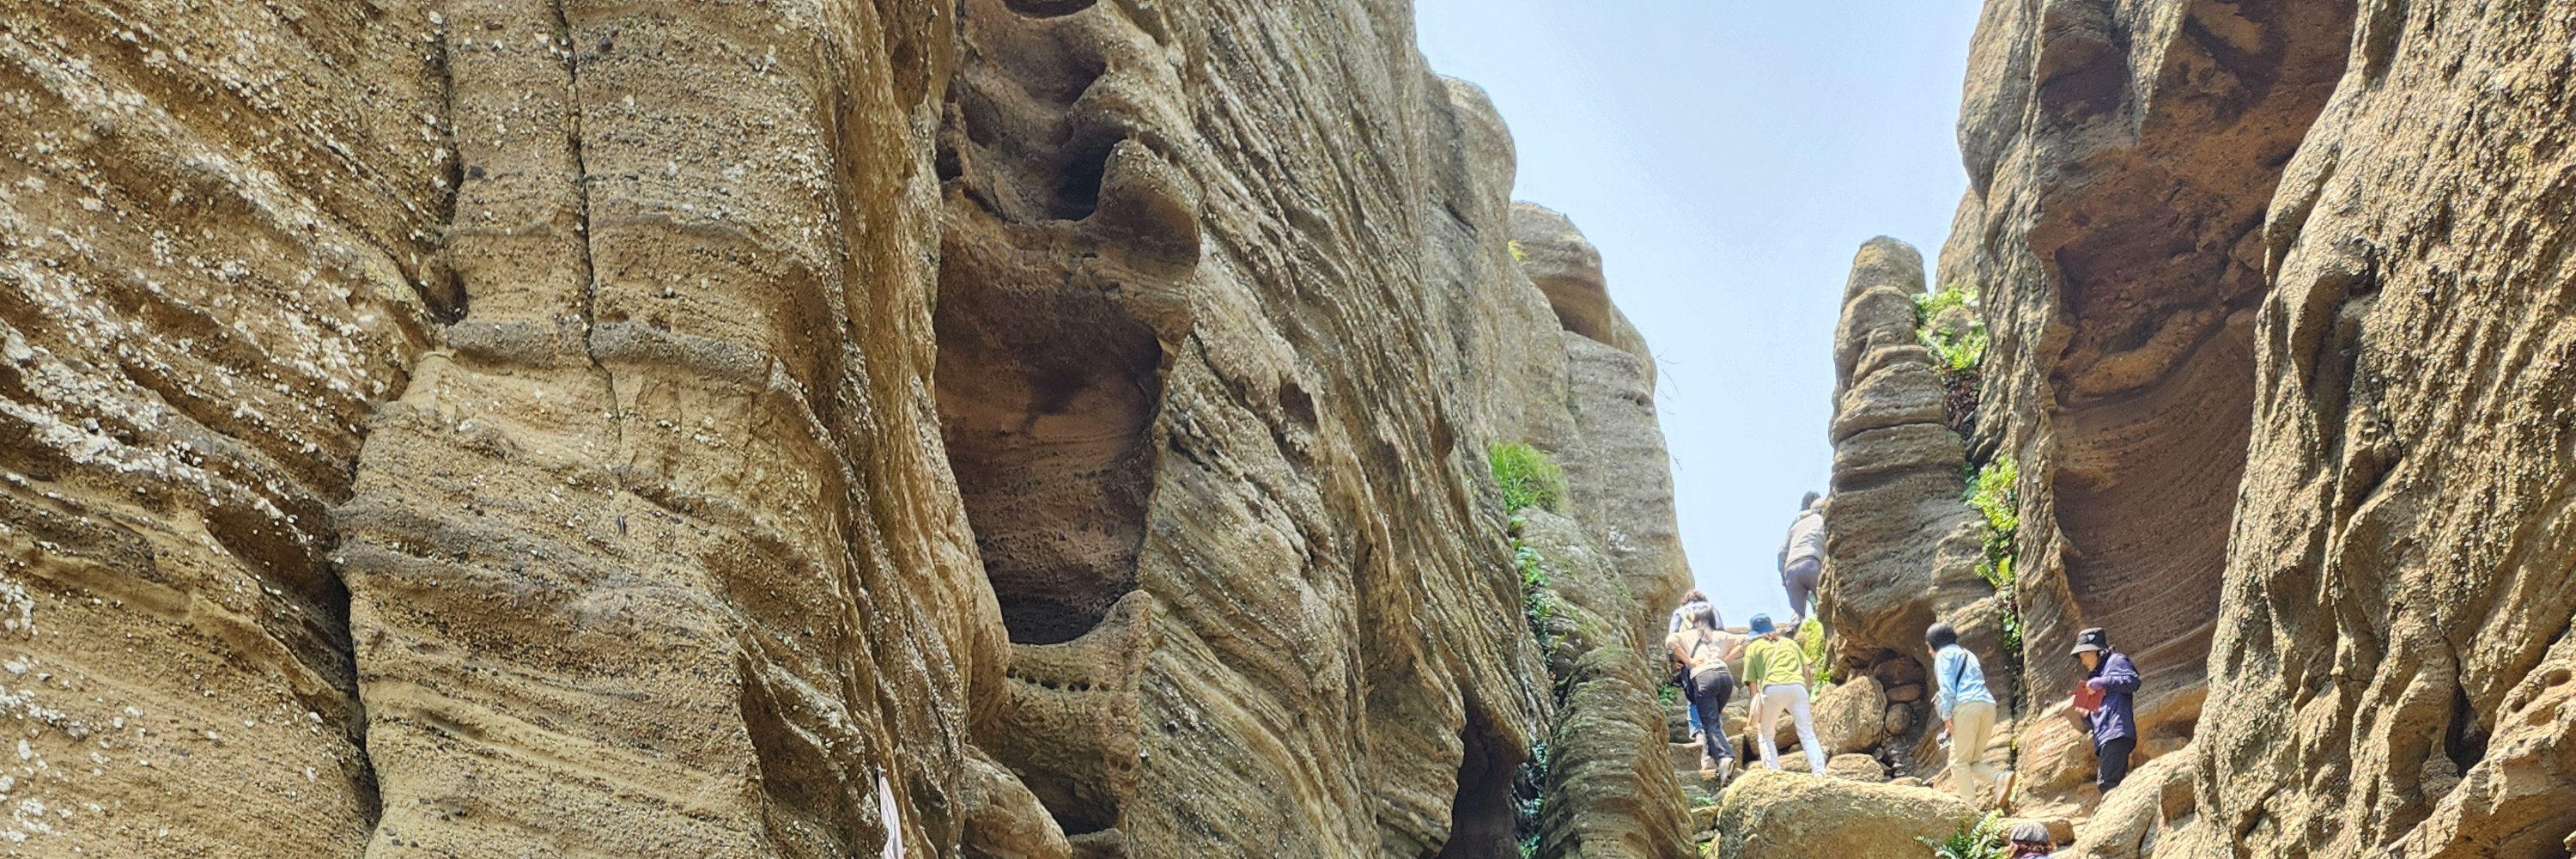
(1612, 777)
(990, 429)
(1856, 767)
(2399, 585)
(2120, 158)
(1779, 815)
(2321, 234)
(209, 273)
(1901, 546)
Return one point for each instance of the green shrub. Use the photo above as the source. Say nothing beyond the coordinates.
(1994, 494)
(1529, 477)
(1985, 840)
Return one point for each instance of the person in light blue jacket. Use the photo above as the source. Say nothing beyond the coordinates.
(1967, 717)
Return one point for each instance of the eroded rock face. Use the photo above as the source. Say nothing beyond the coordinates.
(2399, 583)
(2187, 247)
(209, 273)
(2121, 156)
(998, 429)
(661, 547)
(1145, 263)
(1901, 546)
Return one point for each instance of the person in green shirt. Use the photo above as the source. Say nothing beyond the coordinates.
(1776, 668)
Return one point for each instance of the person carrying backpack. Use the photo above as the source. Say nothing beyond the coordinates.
(1691, 602)
(1777, 668)
(1704, 648)
(1967, 716)
(2108, 700)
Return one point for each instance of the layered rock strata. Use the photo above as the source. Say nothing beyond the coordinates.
(2399, 586)
(992, 429)
(2120, 158)
(2318, 234)
(1901, 546)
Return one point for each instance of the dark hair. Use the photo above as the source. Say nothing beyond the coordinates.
(1694, 596)
(1704, 616)
(1941, 635)
(1809, 501)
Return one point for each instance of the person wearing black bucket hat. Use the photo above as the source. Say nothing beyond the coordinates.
(2108, 700)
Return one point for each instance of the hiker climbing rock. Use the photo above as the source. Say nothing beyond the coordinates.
(2108, 700)
(1705, 647)
(1692, 602)
(1967, 711)
(1778, 668)
(1802, 557)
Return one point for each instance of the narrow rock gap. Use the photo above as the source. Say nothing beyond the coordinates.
(1481, 821)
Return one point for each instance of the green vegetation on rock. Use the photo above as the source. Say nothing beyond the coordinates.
(1958, 352)
(1955, 351)
(1993, 492)
(1982, 841)
(1529, 477)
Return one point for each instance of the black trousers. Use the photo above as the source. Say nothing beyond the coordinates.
(2114, 756)
(1709, 691)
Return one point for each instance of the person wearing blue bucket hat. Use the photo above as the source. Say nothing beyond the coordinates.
(1776, 668)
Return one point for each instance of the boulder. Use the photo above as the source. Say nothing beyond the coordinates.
(1906, 694)
(1850, 717)
(1856, 767)
(1900, 718)
(1776, 815)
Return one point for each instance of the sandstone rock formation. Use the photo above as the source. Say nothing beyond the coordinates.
(1612, 779)
(2399, 581)
(2120, 158)
(1901, 546)
(1798, 816)
(2321, 235)
(989, 429)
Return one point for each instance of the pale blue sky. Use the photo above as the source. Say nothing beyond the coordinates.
(1728, 158)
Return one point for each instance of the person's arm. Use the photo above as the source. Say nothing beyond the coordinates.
(2118, 675)
(1941, 702)
(1754, 665)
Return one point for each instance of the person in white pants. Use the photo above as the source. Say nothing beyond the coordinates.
(1778, 667)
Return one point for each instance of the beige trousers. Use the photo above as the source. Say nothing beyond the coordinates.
(1972, 726)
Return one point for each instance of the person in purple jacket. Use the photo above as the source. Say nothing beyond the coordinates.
(2110, 674)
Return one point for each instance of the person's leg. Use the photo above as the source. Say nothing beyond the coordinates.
(1971, 726)
(2115, 761)
(1800, 580)
(1693, 701)
(1766, 713)
(1806, 727)
(1709, 690)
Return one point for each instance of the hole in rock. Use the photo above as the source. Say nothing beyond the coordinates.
(2464, 741)
(1047, 396)
(1482, 815)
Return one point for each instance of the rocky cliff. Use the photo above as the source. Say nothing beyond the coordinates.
(999, 429)
(2274, 296)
